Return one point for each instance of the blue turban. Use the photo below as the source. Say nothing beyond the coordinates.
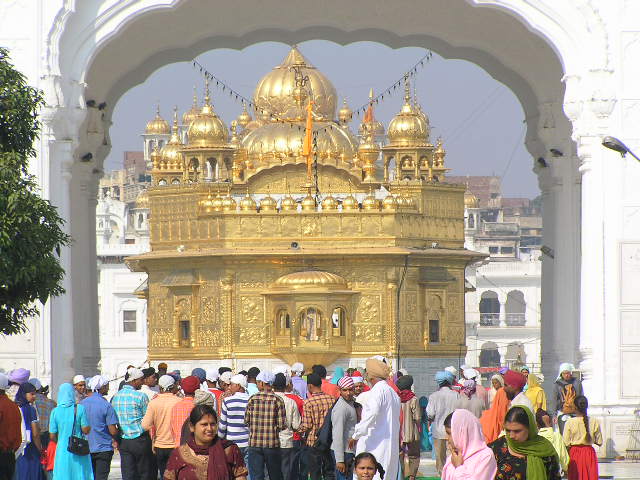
(443, 376)
(200, 373)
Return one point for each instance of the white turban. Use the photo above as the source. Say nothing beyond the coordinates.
(297, 367)
(266, 377)
(452, 371)
(470, 373)
(134, 374)
(239, 380)
(226, 377)
(356, 379)
(212, 375)
(166, 381)
(77, 379)
(97, 382)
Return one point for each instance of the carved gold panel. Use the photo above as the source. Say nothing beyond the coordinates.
(252, 335)
(162, 337)
(368, 333)
(252, 310)
(369, 309)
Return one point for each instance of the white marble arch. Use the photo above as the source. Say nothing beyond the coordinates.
(563, 60)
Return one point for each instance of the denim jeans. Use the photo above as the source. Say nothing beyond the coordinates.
(348, 461)
(259, 457)
(135, 458)
(321, 464)
(101, 464)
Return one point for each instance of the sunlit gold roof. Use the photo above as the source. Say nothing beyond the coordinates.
(244, 118)
(345, 114)
(311, 279)
(158, 125)
(470, 200)
(207, 129)
(409, 127)
(274, 91)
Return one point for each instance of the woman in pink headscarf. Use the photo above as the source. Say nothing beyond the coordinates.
(470, 458)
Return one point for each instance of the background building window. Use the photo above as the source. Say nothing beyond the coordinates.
(434, 331)
(489, 355)
(506, 250)
(489, 309)
(129, 320)
(493, 249)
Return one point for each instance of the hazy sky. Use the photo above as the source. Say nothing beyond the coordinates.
(479, 119)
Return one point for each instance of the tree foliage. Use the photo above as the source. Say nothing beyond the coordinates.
(31, 233)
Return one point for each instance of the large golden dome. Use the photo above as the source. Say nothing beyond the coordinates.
(207, 129)
(283, 139)
(408, 128)
(158, 125)
(274, 92)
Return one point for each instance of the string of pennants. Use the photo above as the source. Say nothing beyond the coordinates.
(387, 92)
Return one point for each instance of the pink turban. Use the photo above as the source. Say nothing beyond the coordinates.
(515, 379)
(345, 382)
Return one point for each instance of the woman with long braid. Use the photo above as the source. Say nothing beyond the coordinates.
(580, 434)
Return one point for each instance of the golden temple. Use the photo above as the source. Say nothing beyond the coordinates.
(253, 257)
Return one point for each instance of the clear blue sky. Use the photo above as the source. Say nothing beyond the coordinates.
(479, 119)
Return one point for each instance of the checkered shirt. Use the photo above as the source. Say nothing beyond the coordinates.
(44, 406)
(130, 406)
(314, 410)
(265, 417)
(179, 413)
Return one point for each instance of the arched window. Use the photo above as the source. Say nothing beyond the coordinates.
(471, 221)
(116, 192)
(489, 355)
(182, 314)
(175, 181)
(212, 169)
(489, 309)
(515, 309)
(338, 319)
(310, 320)
(283, 321)
(515, 354)
(140, 220)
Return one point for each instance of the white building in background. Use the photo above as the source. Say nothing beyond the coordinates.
(121, 230)
(502, 303)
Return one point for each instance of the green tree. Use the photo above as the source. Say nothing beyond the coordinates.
(31, 233)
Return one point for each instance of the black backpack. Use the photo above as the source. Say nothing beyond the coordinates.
(324, 438)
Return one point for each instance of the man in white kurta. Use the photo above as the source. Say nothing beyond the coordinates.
(378, 431)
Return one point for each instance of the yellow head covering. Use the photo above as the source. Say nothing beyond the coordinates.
(535, 393)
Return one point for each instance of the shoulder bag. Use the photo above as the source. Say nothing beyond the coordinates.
(77, 445)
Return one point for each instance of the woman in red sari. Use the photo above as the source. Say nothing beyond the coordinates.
(205, 455)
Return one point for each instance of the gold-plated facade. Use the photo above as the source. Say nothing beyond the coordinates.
(249, 259)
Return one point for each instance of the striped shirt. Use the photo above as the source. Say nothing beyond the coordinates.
(232, 425)
(265, 417)
(179, 413)
(130, 406)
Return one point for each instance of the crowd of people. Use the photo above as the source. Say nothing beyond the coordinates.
(296, 424)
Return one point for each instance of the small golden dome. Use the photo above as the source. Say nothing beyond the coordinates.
(244, 118)
(439, 154)
(329, 203)
(268, 204)
(370, 202)
(207, 129)
(228, 203)
(311, 279)
(288, 203)
(350, 203)
(390, 202)
(217, 203)
(345, 114)
(172, 152)
(142, 200)
(158, 125)
(309, 203)
(275, 91)
(248, 204)
(206, 203)
(470, 200)
(408, 128)
(190, 115)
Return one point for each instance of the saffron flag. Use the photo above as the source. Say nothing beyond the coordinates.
(307, 145)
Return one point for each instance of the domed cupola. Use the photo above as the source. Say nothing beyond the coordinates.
(408, 128)
(207, 130)
(158, 125)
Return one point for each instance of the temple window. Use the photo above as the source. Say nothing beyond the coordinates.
(338, 319)
(185, 333)
(175, 181)
(283, 321)
(434, 331)
(310, 324)
(162, 182)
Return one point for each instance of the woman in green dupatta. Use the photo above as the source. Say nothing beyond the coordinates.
(522, 454)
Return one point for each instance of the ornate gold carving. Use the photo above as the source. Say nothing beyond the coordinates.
(252, 310)
(162, 337)
(310, 226)
(369, 309)
(208, 337)
(368, 333)
(252, 336)
(411, 333)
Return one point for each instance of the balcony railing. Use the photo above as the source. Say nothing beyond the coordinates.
(490, 319)
(516, 320)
